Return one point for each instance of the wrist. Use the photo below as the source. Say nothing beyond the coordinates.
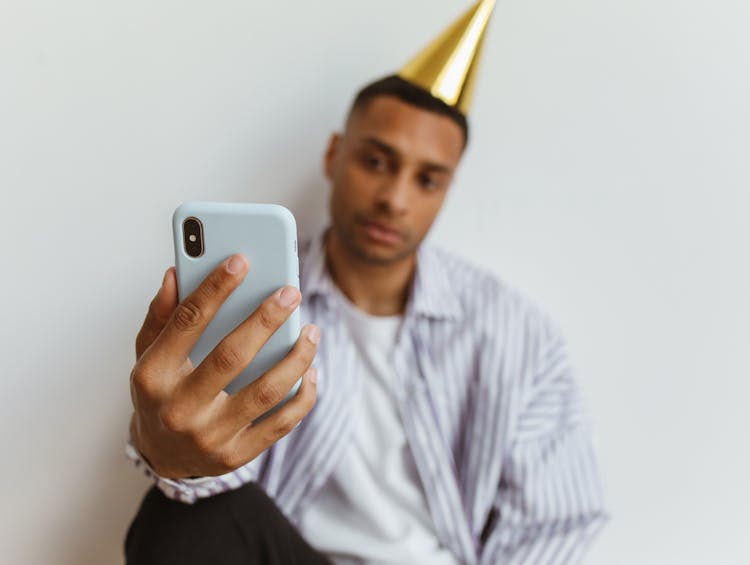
(136, 440)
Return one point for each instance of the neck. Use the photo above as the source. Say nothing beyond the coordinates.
(379, 290)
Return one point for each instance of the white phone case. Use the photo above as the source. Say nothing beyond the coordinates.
(267, 235)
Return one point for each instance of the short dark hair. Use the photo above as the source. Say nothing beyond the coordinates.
(402, 89)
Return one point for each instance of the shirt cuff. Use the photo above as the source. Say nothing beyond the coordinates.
(188, 491)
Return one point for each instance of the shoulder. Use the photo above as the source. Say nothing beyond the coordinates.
(488, 301)
(513, 337)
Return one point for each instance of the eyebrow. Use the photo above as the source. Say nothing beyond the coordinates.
(393, 152)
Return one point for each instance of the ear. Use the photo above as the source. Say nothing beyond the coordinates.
(329, 161)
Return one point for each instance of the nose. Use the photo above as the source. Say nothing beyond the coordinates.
(394, 194)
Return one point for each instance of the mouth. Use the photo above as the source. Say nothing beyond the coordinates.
(379, 233)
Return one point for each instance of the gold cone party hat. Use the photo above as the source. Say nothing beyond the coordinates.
(447, 67)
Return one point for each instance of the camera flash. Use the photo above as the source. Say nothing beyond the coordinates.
(192, 238)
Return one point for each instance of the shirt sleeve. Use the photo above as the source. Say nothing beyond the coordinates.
(549, 503)
(190, 490)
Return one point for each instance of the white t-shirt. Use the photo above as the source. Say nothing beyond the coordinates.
(373, 507)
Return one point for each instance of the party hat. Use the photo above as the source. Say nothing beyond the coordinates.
(447, 67)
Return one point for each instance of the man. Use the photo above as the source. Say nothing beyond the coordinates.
(447, 427)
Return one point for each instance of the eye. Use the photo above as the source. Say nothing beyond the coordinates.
(375, 163)
(429, 182)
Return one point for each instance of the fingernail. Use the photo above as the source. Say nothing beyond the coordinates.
(314, 375)
(235, 264)
(312, 333)
(163, 282)
(288, 296)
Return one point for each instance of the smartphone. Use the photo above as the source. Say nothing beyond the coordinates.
(205, 234)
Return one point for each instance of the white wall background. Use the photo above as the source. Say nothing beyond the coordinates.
(608, 178)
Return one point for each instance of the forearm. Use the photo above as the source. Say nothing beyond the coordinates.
(554, 543)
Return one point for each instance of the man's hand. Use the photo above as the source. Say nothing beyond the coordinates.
(184, 423)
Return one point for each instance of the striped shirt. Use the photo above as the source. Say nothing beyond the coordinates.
(490, 408)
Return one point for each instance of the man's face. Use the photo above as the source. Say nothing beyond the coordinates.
(389, 172)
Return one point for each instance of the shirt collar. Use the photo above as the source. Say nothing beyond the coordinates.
(431, 295)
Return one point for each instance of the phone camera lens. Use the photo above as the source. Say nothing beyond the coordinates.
(192, 235)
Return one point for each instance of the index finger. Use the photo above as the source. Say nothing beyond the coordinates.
(194, 313)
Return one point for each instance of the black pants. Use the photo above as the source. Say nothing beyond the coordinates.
(241, 527)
